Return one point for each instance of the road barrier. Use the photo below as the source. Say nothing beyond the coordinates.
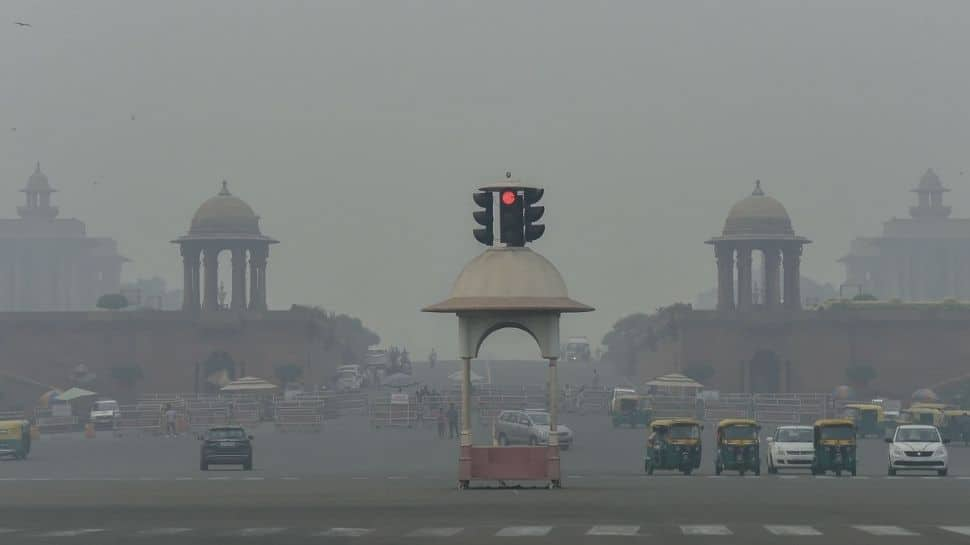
(304, 415)
(145, 418)
(384, 414)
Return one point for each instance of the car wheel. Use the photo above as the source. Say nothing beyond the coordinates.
(503, 440)
(248, 465)
(892, 471)
(717, 469)
(757, 470)
(942, 473)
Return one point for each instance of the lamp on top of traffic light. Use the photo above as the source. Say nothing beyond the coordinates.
(532, 213)
(511, 227)
(484, 217)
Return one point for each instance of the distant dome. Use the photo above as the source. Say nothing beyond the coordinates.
(38, 183)
(512, 278)
(929, 181)
(225, 214)
(758, 214)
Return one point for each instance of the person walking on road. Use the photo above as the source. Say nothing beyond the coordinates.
(453, 422)
(170, 417)
(441, 422)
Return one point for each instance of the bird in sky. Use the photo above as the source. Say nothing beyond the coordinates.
(21, 23)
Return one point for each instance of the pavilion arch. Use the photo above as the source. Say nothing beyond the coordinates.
(474, 328)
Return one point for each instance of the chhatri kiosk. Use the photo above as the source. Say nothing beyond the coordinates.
(508, 286)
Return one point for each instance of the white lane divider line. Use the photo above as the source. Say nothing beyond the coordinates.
(397, 477)
(183, 478)
(879, 530)
(290, 478)
(613, 530)
(359, 478)
(8, 530)
(705, 530)
(436, 532)
(218, 478)
(962, 530)
(158, 532)
(254, 478)
(71, 533)
(258, 532)
(787, 530)
(524, 531)
(346, 532)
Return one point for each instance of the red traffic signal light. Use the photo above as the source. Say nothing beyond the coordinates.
(508, 198)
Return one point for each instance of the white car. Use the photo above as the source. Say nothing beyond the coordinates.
(105, 413)
(790, 447)
(920, 448)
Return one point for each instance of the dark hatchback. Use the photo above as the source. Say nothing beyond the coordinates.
(227, 445)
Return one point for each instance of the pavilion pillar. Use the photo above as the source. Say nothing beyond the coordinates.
(772, 270)
(190, 277)
(210, 256)
(724, 253)
(744, 278)
(253, 279)
(257, 281)
(238, 301)
(792, 264)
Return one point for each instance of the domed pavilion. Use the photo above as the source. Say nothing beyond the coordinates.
(758, 223)
(224, 223)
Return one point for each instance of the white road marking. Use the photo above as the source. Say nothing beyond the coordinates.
(183, 478)
(147, 479)
(785, 530)
(290, 478)
(163, 531)
(254, 478)
(524, 531)
(346, 532)
(611, 530)
(256, 532)
(359, 478)
(8, 530)
(930, 478)
(964, 478)
(962, 530)
(71, 533)
(398, 477)
(218, 478)
(705, 530)
(436, 532)
(789, 477)
(885, 530)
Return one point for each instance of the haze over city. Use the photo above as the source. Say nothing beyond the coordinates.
(357, 131)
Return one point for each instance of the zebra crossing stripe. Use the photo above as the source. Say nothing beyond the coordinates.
(612, 530)
(524, 531)
(8, 530)
(152, 532)
(705, 530)
(785, 530)
(435, 532)
(962, 530)
(258, 532)
(346, 532)
(71, 533)
(878, 530)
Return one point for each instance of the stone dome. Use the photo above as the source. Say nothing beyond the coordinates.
(929, 181)
(225, 214)
(511, 278)
(758, 215)
(38, 183)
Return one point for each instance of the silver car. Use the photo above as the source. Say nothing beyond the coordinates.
(529, 428)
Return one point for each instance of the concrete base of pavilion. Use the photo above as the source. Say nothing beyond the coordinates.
(509, 464)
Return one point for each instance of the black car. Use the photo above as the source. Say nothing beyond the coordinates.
(226, 445)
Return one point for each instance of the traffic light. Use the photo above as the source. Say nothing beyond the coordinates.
(511, 226)
(484, 217)
(532, 214)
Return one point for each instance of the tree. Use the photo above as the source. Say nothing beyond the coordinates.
(699, 371)
(112, 301)
(127, 375)
(860, 374)
(289, 373)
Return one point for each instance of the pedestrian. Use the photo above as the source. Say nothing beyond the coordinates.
(441, 422)
(170, 417)
(453, 422)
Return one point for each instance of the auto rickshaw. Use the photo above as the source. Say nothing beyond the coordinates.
(921, 414)
(629, 408)
(956, 426)
(674, 443)
(835, 447)
(869, 419)
(15, 438)
(738, 446)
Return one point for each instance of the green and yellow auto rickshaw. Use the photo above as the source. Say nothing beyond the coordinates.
(956, 425)
(835, 446)
(922, 414)
(15, 438)
(629, 408)
(869, 419)
(738, 446)
(673, 443)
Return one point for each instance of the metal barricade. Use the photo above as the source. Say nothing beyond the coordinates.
(140, 419)
(384, 414)
(300, 415)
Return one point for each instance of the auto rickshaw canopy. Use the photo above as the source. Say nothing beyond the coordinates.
(729, 422)
(832, 422)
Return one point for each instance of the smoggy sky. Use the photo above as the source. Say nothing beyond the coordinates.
(358, 130)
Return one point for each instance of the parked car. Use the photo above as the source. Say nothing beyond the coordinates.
(529, 428)
(105, 413)
(790, 448)
(349, 378)
(226, 445)
(918, 447)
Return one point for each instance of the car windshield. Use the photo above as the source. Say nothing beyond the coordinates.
(348, 374)
(918, 435)
(227, 433)
(684, 431)
(794, 435)
(734, 433)
(105, 405)
(838, 432)
(539, 419)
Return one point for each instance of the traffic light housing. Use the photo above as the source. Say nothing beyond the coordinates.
(512, 228)
(532, 214)
(484, 217)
